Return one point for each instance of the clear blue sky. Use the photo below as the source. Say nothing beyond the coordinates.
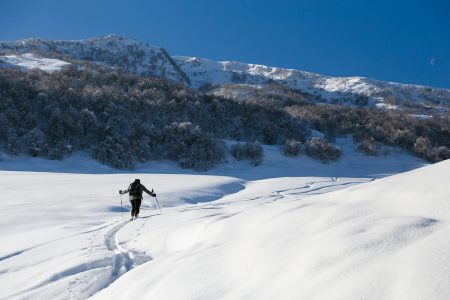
(403, 41)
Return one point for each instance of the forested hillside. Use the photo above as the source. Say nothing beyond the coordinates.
(122, 119)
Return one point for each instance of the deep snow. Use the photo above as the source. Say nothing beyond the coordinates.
(269, 232)
(387, 239)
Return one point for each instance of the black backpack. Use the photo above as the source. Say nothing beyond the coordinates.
(134, 189)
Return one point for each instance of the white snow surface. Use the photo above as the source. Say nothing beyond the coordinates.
(292, 228)
(30, 61)
(381, 240)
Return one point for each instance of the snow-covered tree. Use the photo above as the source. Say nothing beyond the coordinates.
(34, 143)
(322, 150)
(291, 147)
(251, 151)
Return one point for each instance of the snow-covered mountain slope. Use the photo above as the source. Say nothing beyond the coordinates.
(203, 71)
(63, 237)
(30, 61)
(128, 54)
(112, 50)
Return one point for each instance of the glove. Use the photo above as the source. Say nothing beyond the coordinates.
(154, 195)
(120, 192)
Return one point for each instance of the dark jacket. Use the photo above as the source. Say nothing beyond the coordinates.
(141, 189)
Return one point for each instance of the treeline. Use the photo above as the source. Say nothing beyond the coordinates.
(428, 138)
(123, 119)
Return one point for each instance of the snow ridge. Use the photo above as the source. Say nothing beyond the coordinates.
(203, 71)
(113, 50)
(130, 55)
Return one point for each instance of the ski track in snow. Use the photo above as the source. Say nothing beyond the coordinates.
(106, 270)
(122, 260)
(308, 189)
(284, 193)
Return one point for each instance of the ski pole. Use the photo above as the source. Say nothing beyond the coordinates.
(121, 206)
(158, 204)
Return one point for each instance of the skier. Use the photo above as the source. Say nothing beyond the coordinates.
(135, 189)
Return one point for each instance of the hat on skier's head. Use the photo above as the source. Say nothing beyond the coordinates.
(137, 180)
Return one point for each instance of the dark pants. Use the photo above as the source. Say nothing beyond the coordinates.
(135, 205)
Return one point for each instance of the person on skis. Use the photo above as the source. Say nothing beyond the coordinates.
(135, 190)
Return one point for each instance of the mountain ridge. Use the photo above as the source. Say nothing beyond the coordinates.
(143, 59)
(113, 50)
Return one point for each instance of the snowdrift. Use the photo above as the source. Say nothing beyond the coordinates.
(387, 239)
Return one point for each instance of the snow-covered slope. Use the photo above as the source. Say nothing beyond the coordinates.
(112, 50)
(30, 61)
(131, 55)
(352, 163)
(233, 232)
(387, 239)
(203, 71)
